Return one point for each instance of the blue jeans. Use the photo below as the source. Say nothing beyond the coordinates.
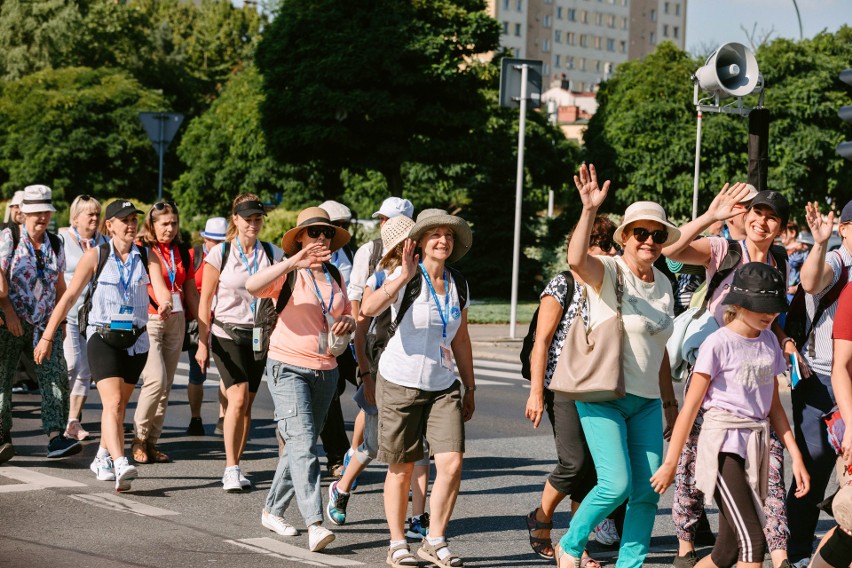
(301, 397)
(625, 438)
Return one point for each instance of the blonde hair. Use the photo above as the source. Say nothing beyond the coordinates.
(81, 204)
(730, 314)
(393, 258)
(147, 233)
(232, 231)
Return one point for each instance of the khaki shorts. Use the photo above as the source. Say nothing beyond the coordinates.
(406, 414)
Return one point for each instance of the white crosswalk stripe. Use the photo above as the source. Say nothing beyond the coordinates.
(284, 551)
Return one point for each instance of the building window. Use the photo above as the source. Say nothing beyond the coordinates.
(581, 64)
(582, 87)
(505, 28)
(677, 9)
(676, 32)
(548, 21)
(505, 4)
(545, 69)
(557, 62)
(623, 23)
(559, 12)
(583, 42)
(572, 15)
(569, 62)
(610, 21)
(557, 36)
(597, 66)
(653, 14)
(665, 30)
(548, 1)
(545, 45)
(652, 38)
(622, 46)
(598, 19)
(584, 17)
(597, 42)
(608, 68)
(665, 7)
(610, 44)
(569, 38)
(518, 30)
(519, 5)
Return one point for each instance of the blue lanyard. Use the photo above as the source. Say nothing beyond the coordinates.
(124, 285)
(81, 240)
(445, 314)
(44, 252)
(769, 258)
(323, 307)
(171, 269)
(244, 258)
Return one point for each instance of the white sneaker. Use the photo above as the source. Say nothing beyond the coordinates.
(103, 468)
(124, 475)
(244, 482)
(606, 533)
(231, 480)
(319, 537)
(277, 524)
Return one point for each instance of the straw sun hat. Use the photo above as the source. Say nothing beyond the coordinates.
(312, 217)
(433, 218)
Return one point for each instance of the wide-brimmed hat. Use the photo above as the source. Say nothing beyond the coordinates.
(313, 217)
(433, 218)
(394, 207)
(646, 211)
(775, 201)
(37, 199)
(17, 199)
(215, 229)
(336, 211)
(120, 208)
(394, 231)
(758, 287)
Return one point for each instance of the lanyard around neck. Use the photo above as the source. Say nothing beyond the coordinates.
(171, 267)
(44, 252)
(124, 284)
(80, 240)
(252, 269)
(445, 313)
(325, 309)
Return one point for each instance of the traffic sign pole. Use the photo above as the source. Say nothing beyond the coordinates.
(519, 189)
(161, 128)
(160, 152)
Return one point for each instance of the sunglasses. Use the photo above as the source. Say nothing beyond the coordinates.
(85, 197)
(160, 205)
(327, 232)
(659, 236)
(604, 244)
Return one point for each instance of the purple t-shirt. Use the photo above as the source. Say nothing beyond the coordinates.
(742, 377)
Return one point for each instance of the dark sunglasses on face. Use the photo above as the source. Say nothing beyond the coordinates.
(315, 232)
(659, 236)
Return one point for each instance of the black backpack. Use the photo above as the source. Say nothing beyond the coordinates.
(529, 340)
(103, 256)
(55, 240)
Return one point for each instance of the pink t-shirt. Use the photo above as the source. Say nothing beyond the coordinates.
(295, 340)
(742, 374)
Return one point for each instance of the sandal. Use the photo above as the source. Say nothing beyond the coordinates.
(156, 455)
(539, 544)
(588, 562)
(559, 553)
(139, 451)
(404, 561)
(429, 552)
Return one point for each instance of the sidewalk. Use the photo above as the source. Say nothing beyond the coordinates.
(491, 341)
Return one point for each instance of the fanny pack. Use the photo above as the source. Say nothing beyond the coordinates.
(242, 336)
(120, 338)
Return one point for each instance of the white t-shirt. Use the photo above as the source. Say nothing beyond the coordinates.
(360, 271)
(412, 356)
(648, 311)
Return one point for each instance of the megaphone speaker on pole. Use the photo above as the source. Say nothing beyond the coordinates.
(730, 71)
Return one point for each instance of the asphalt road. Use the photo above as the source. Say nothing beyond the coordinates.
(55, 513)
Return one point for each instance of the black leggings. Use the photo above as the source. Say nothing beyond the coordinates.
(740, 533)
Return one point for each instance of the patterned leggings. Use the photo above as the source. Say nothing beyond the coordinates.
(688, 501)
(52, 377)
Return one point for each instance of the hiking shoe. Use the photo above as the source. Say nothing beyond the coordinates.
(319, 537)
(196, 427)
(336, 508)
(7, 452)
(75, 431)
(277, 524)
(60, 446)
(219, 430)
(688, 560)
(231, 480)
(124, 475)
(418, 526)
(347, 457)
(606, 533)
(103, 468)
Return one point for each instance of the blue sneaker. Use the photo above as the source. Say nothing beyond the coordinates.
(347, 457)
(336, 508)
(418, 527)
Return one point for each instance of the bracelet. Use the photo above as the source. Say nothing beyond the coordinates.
(45, 339)
(364, 373)
(469, 388)
(386, 292)
(791, 340)
(669, 404)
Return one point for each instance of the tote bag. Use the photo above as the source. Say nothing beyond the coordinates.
(589, 367)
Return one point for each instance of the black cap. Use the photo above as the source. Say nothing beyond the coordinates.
(846, 214)
(249, 208)
(774, 201)
(120, 208)
(758, 287)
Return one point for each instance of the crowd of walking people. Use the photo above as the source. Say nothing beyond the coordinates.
(110, 303)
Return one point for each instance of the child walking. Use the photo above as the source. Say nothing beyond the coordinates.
(734, 383)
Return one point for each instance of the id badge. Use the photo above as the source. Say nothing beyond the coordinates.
(123, 320)
(329, 321)
(177, 305)
(322, 342)
(447, 360)
(256, 339)
(38, 290)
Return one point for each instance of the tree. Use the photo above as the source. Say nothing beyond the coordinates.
(77, 130)
(35, 35)
(385, 83)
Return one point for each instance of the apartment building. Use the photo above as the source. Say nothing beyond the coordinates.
(582, 41)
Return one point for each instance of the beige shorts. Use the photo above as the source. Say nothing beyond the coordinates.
(407, 414)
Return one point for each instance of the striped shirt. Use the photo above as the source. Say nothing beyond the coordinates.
(108, 297)
(821, 362)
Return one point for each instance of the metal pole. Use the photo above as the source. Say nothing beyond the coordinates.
(550, 204)
(519, 186)
(697, 166)
(160, 150)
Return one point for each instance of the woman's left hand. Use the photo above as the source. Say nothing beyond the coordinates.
(803, 479)
(164, 311)
(343, 326)
(671, 417)
(42, 351)
(468, 405)
(312, 256)
(663, 477)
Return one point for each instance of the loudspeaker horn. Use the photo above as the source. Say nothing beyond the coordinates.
(730, 71)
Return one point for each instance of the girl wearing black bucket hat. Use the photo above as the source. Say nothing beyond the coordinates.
(734, 382)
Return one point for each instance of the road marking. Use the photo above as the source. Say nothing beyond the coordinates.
(284, 551)
(477, 370)
(499, 365)
(113, 502)
(32, 480)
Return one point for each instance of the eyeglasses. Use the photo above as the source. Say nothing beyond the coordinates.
(327, 232)
(659, 236)
(160, 205)
(604, 244)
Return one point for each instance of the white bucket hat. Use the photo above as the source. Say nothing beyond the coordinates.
(336, 211)
(394, 231)
(37, 199)
(215, 229)
(394, 207)
(646, 211)
(17, 199)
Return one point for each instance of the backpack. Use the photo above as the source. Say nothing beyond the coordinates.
(796, 324)
(529, 340)
(55, 240)
(103, 256)
(197, 257)
(376, 255)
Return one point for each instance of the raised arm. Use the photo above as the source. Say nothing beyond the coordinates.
(584, 265)
(382, 298)
(311, 256)
(816, 274)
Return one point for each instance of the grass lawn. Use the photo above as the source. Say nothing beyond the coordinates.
(497, 311)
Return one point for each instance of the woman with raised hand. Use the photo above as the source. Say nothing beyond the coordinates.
(625, 436)
(302, 366)
(82, 235)
(229, 333)
(417, 391)
(117, 344)
(162, 238)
